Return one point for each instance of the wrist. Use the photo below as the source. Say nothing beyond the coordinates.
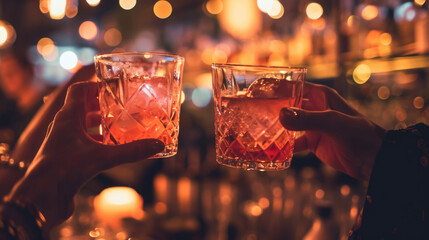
(21, 221)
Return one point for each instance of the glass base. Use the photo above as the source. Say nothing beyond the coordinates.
(253, 165)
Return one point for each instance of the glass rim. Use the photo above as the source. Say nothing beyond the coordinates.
(105, 56)
(256, 67)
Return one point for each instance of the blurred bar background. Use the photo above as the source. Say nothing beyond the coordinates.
(374, 52)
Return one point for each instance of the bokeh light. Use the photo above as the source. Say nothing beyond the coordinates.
(112, 37)
(201, 97)
(419, 2)
(419, 102)
(351, 20)
(265, 5)
(127, 4)
(71, 11)
(314, 10)
(383, 93)
(214, 6)
(68, 60)
(57, 9)
(3, 35)
(241, 18)
(45, 46)
(319, 194)
(276, 10)
(385, 39)
(88, 30)
(264, 202)
(93, 3)
(162, 9)
(369, 12)
(345, 190)
(7, 34)
(362, 73)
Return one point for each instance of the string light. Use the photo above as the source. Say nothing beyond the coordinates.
(127, 4)
(314, 10)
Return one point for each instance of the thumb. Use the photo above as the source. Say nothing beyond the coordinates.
(130, 152)
(329, 121)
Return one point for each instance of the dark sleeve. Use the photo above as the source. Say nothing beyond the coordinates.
(397, 201)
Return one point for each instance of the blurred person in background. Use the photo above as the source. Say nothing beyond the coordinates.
(21, 95)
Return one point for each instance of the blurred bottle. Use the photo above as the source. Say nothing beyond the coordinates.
(324, 226)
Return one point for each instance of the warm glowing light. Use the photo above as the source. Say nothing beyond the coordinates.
(88, 30)
(127, 4)
(383, 92)
(57, 9)
(318, 24)
(160, 208)
(419, 102)
(162, 9)
(276, 59)
(71, 11)
(112, 37)
(45, 46)
(219, 56)
(351, 20)
(276, 10)
(265, 5)
(93, 3)
(214, 6)
(401, 114)
(182, 97)
(385, 39)
(264, 202)
(68, 60)
(419, 2)
(115, 203)
(361, 74)
(43, 6)
(369, 12)
(184, 192)
(319, 194)
(253, 209)
(241, 18)
(121, 236)
(52, 56)
(314, 11)
(345, 190)
(7, 34)
(353, 212)
(3, 35)
(204, 80)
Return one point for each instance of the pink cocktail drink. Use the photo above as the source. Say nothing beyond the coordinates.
(248, 100)
(249, 129)
(140, 101)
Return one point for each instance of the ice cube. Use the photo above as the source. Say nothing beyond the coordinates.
(271, 88)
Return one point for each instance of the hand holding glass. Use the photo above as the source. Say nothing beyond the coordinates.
(140, 97)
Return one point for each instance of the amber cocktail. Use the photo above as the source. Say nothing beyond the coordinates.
(139, 96)
(248, 100)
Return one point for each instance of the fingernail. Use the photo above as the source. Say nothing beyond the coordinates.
(158, 145)
(288, 113)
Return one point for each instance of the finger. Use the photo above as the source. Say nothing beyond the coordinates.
(85, 73)
(320, 97)
(330, 122)
(130, 152)
(301, 144)
(78, 95)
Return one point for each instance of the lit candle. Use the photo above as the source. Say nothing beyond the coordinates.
(114, 204)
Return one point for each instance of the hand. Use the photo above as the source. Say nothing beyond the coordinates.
(30, 140)
(334, 131)
(68, 158)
